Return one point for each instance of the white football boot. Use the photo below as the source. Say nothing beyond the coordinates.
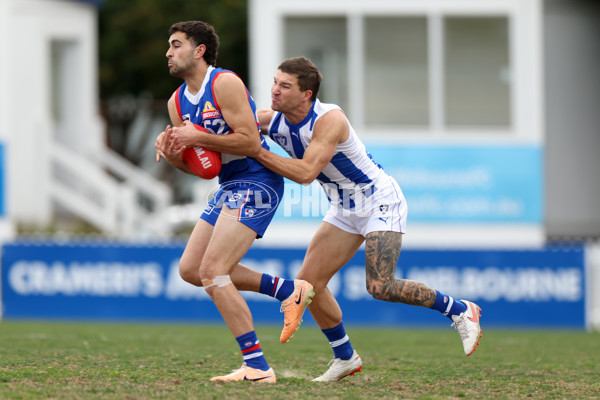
(340, 369)
(467, 324)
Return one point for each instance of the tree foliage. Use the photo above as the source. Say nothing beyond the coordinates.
(134, 36)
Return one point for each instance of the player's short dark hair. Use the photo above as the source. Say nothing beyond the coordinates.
(309, 77)
(199, 32)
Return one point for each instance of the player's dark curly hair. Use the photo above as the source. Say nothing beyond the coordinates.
(309, 77)
(199, 32)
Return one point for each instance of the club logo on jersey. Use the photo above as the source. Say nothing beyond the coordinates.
(384, 208)
(280, 139)
(186, 117)
(209, 111)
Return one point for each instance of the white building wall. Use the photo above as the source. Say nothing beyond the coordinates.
(6, 226)
(267, 49)
(57, 162)
(27, 123)
(572, 56)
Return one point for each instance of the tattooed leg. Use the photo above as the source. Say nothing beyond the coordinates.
(382, 252)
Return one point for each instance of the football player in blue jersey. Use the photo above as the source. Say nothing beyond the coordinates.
(213, 109)
(367, 205)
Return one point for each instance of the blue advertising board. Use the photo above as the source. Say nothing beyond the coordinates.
(447, 184)
(494, 184)
(96, 281)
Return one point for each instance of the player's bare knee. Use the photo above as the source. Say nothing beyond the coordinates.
(377, 290)
(317, 284)
(190, 274)
(371, 289)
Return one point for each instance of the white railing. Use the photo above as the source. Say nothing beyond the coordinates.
(106, 191)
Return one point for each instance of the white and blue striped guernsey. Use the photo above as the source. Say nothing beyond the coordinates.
(351, 170)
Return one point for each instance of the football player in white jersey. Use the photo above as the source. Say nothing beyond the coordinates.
(217, 101)
(367, 205)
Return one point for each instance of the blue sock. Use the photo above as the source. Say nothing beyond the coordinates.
(447, 305)
(339, 341)
(251, 351)
(276, 287)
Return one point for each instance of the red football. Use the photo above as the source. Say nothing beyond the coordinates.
(202, 162)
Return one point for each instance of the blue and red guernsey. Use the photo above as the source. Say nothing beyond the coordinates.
(202, 109)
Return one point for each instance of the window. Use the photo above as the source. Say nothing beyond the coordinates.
(65, 87)
(477, 77)
(395, 74)
(420, 73)
(323, 40)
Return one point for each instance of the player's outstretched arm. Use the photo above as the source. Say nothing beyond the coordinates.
(329, 131)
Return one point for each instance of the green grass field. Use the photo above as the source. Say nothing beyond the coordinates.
(110, 361)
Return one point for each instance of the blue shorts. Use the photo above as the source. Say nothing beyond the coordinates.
(256, 198)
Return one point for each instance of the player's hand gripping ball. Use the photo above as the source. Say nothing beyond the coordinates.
(203, 162)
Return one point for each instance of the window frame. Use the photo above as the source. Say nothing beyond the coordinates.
(524, 24)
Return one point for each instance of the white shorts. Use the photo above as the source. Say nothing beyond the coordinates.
(384, 210)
